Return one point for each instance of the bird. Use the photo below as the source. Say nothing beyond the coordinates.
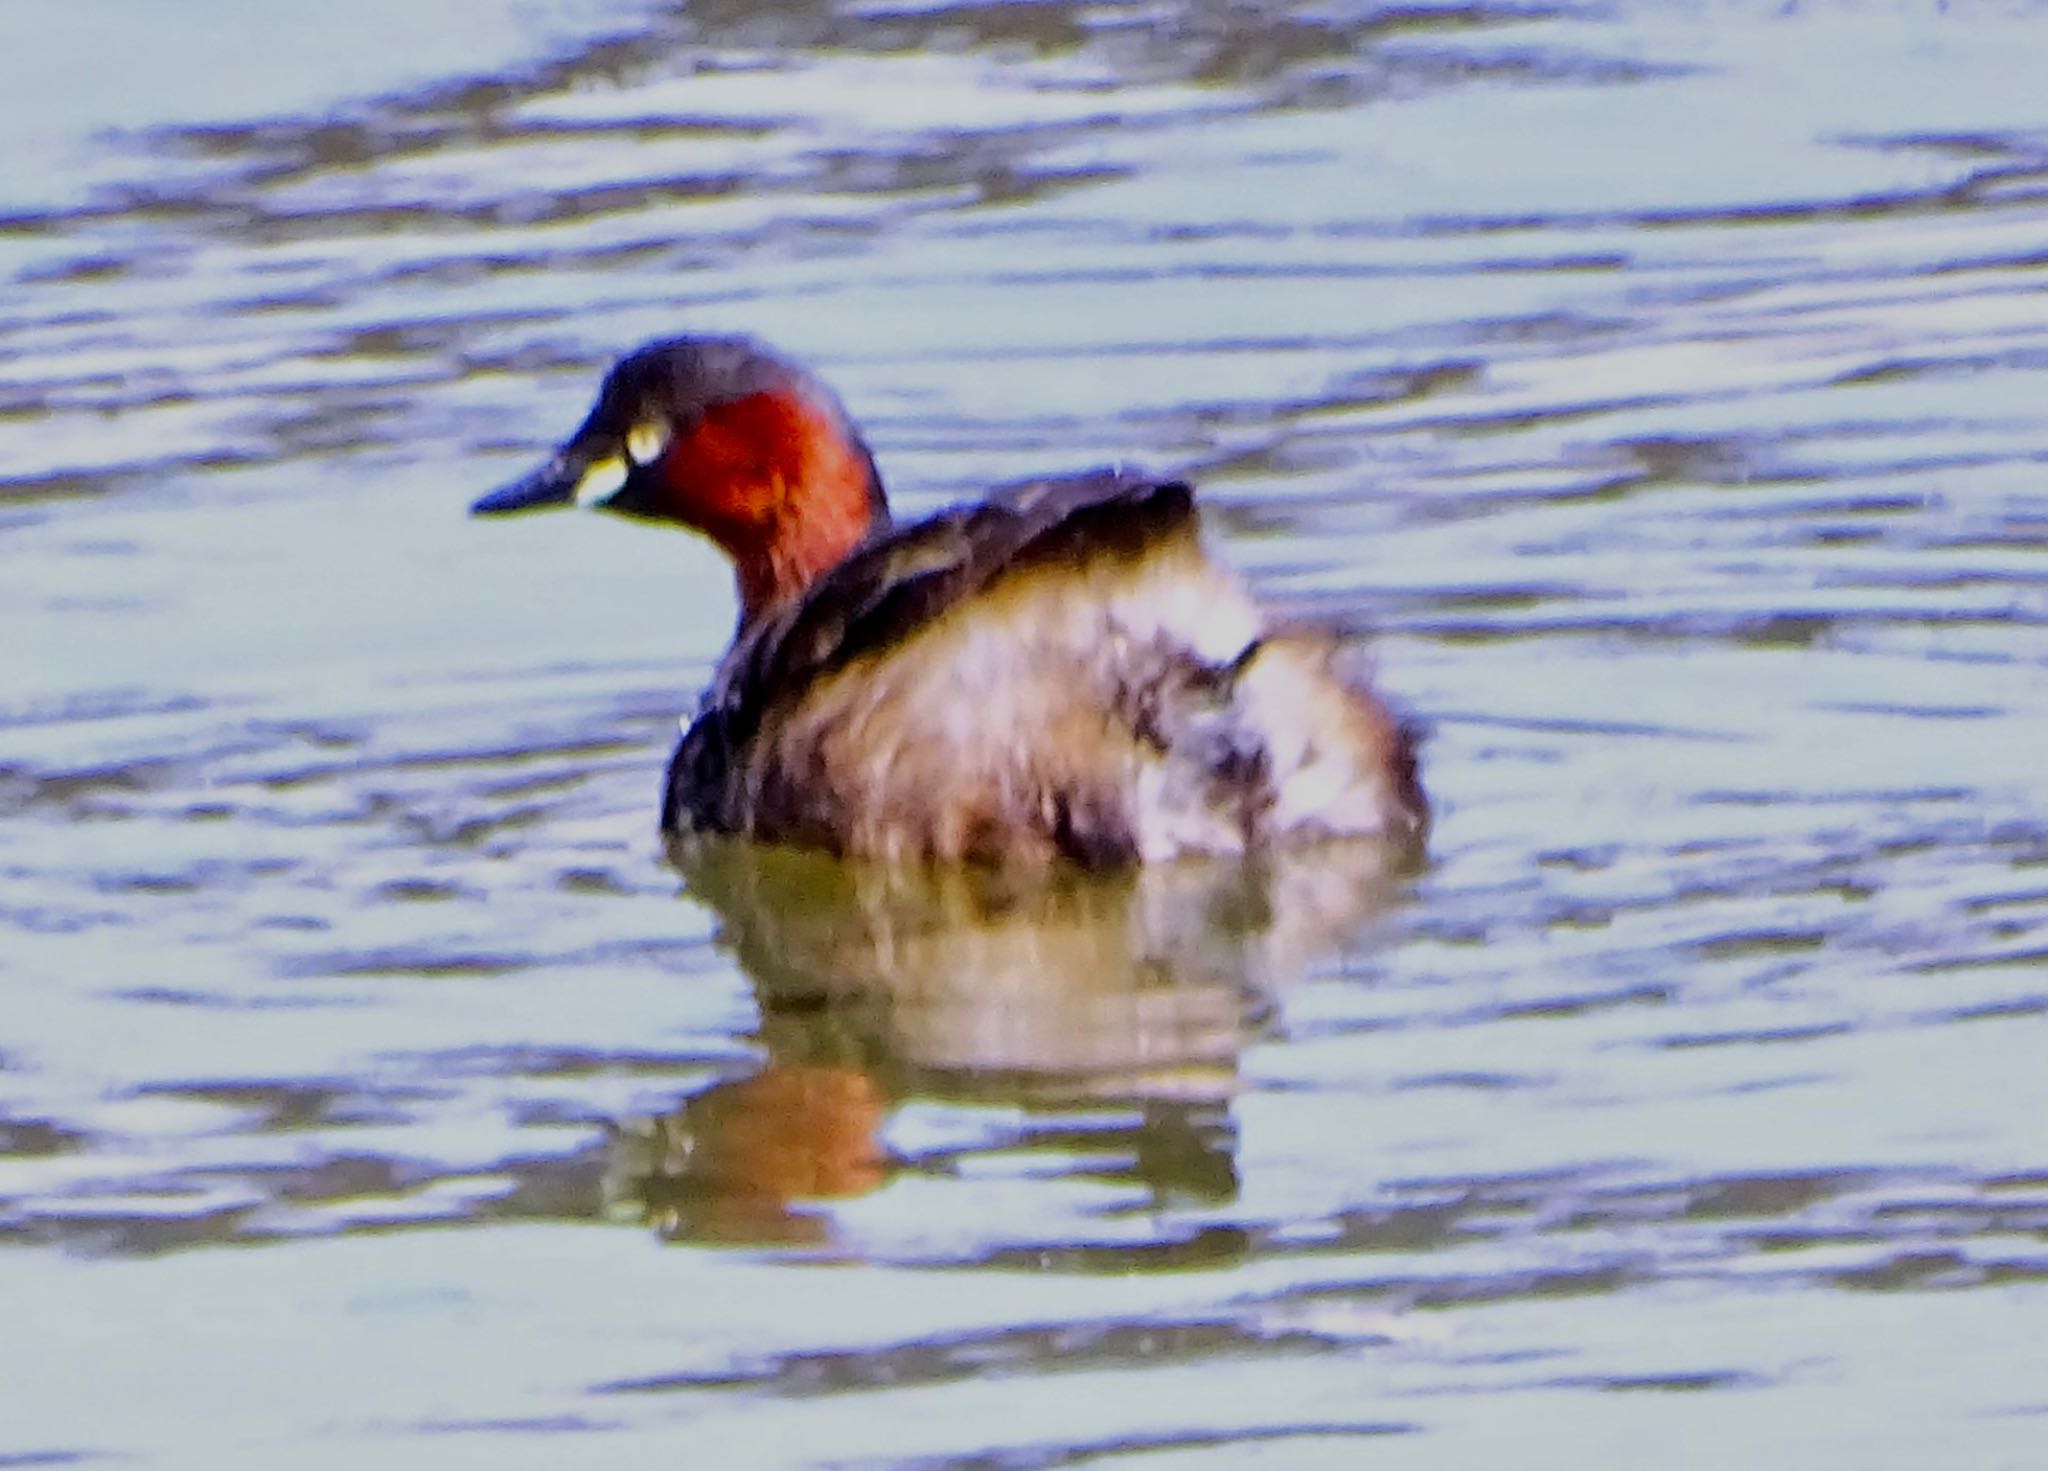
(1059, 673)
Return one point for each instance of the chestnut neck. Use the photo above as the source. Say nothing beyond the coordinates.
(784, 485)
(814, 533)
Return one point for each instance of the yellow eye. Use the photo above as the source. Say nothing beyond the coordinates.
(645, 442)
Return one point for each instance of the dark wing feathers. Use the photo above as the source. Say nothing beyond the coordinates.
(905, 579)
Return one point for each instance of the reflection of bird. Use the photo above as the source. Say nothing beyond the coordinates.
(733, 1162)
(1126, 996)
(1071, 984)
(1057, 672)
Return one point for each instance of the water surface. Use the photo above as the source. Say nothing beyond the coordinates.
(1658, 392)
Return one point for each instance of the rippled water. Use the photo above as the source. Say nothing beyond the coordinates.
(1663, 390)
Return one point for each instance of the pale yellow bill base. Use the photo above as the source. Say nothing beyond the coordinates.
(600, 481)
(561, 481)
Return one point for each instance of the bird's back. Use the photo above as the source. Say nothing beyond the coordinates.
(1056, 672)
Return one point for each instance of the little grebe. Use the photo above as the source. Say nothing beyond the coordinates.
(1057, 672)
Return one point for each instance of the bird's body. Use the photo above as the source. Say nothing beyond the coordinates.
(1060, 672)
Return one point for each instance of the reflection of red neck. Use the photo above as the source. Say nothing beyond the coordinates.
(781, 485)
(792, 1131)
